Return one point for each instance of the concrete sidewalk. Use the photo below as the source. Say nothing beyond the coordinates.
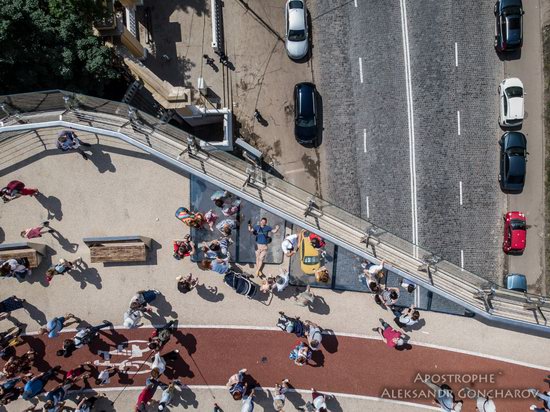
(125, 192)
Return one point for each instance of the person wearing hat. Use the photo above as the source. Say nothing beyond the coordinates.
(484, 404)
(317, 404)
(290, 245)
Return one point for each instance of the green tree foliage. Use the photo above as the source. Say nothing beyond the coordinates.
(50, 44)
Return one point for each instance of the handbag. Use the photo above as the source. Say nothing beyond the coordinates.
(268, 238)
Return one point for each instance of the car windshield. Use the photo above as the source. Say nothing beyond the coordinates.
(517, 224)
(516, 151)
(295, 5)
(511, 11)
(311, 260)
(515, 179)
(305, 122)
(514, 91)
(296, 35)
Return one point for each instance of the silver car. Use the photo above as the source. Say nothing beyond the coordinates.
(296, 38)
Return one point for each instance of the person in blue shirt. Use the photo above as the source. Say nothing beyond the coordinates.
(36, 385)
(261, 231)
(56, 325)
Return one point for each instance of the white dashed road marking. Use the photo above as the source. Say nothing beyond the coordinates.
(365, 140)
(361, 69)
(458, 121)
(460, 191)
(456, 54)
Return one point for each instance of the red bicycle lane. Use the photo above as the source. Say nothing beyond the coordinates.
(351, 365)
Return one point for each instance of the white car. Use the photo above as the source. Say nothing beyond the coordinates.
(296, 37)
(511, 102)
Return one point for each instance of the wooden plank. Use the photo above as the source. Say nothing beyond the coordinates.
(31, 254)
(118, 252)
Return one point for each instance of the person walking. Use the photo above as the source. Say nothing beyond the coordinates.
(485, 404)
(132, 318)
(248, 402)
(237, 386)
(87, 404)
(82, 337)
(168, 393)
(444, 397)
(36, 385)
(306, 298)
(162, 335)
(391, 337)
(279, 397)
(322, 275)
(67, 140)
(545, 397)
(282, 280)
(38, 231)
(146, 395)
(290, 245)
(55, 399)
(62, 267)
(317, 403)
(104, 377)
(313, 335)
(15, 189)
(159, 363)
(226, 226)
(262, 231)
(301, 354)
(56, 325)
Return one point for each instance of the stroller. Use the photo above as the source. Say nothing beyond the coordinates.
(291, 325)
(241, 284)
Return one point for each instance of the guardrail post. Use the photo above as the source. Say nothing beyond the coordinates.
(255, 177)
(11, 112)
(486, 295)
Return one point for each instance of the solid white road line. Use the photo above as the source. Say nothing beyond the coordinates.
(460, 191)
(365, 140)
(351, 335)
(410, 113)
(456, 54)
(361, 69)
(355, 2)
(461, 259)
(272, 389)
(458, 121)
(368, 211)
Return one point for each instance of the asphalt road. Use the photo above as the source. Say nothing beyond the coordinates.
(397, 65)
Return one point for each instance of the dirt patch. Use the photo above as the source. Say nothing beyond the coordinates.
(546, 109)
(313, 168)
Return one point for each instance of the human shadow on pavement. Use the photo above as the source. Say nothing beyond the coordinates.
(52, 205)
(320, 306)
(39, 347)
(101, 159)
(164, 308)
(185, 398)
(332, 404)
(330, 341)
(35, 313)
(86, 274)
(417, 326)
(65, 243)
(295, 398)
(318, 359)
(209, 293)
(2, 235)
(187, 340)
(178, 368)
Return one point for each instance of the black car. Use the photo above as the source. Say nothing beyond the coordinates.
(509, 25)
(513, 162)
(305, 113)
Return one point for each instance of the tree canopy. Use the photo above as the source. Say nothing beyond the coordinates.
(50, 44)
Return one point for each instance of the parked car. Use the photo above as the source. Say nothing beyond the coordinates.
(515, 233)
(296, 36)
(513, 162)
(508, 25)
(305, 113)
(511, 102)
(310, 260)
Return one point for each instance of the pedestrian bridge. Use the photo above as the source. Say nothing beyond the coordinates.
(29, 127)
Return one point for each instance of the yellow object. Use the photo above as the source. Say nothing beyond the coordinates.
(310, 260)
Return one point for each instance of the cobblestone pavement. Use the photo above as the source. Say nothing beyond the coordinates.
(380, 169)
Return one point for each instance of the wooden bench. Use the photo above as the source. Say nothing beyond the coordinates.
(118, 248)
(32, 251)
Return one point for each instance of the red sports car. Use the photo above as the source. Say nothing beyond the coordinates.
(515, 233)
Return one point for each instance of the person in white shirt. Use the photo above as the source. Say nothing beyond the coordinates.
(290, 245)
(407, 317)
(132, 318)
(281, 281)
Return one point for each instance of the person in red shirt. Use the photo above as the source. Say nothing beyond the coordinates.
(146, 395)
(393, 338)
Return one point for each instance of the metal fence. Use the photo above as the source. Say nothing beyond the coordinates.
(55, 109)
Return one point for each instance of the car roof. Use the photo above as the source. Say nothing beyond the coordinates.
(305, 94)
(296, 19)
(516, 166)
